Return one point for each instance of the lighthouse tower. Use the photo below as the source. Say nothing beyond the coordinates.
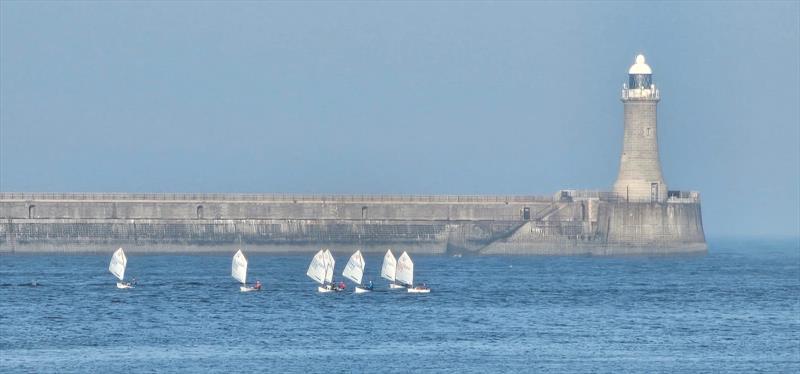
(639, 176)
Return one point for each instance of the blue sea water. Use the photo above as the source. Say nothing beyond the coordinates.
(736, 309)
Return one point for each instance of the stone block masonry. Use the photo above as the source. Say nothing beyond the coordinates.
(201, 223)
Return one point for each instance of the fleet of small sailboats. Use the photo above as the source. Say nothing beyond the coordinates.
(117, 267)
(400, 272)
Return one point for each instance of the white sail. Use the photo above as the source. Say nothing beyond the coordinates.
(239, 267)
(389, 266)
(355, 268)
(329, 265)
(405, 270)
(118, 264)
(316, 270)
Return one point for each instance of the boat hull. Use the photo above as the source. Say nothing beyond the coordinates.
(362, 290)
(395, 286)
(123, 285)
(247, 289)
(419, 290)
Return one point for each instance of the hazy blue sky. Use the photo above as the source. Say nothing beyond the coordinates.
(410, 98)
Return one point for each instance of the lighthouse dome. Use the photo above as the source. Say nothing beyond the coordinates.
(640, 67)
(640, 76)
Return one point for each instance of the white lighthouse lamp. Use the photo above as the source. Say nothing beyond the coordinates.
(640, 81)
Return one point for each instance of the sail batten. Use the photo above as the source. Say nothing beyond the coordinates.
(405, 270)
(239, 267)
(389, 266)
(318, 267)
(118, 264)
(355, 268)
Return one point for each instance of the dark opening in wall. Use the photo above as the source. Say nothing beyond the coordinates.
(653, 192)
(199, 212)
(31, 211)
(363, 212)
(526, 213)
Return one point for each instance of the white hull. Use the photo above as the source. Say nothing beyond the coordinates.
(396, 286)
(362, 290)
(123, 285)
(324, 289)
(419, 290)
(246, 289)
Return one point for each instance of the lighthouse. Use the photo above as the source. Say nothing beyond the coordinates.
(639, 177)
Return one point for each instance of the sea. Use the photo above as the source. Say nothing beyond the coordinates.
(735, 309)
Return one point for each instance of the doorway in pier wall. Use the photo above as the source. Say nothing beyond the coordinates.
(199, 212)
(526, 213)
(31, 211)
(363, 212)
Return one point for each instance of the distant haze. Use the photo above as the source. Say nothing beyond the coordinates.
(401, 98)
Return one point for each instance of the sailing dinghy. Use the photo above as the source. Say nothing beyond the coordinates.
(405, 275)
(389, 269)
(321, 270)
(117, 267)
(239, 272)
(354, 271)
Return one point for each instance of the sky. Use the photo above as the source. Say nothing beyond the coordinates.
(401, 98)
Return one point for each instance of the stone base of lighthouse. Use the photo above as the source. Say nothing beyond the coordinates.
(640, 190)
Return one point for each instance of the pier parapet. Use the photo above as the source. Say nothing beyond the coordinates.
(567, 222)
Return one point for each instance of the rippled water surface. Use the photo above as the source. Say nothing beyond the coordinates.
(736, 309)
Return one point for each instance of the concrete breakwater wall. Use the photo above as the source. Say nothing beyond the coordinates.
(294, 223)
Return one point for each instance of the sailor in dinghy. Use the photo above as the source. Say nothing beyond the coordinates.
(117, 267)
(239, 272)
(355, 271)
(330, 264)
(405, 275)
(389, 270)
